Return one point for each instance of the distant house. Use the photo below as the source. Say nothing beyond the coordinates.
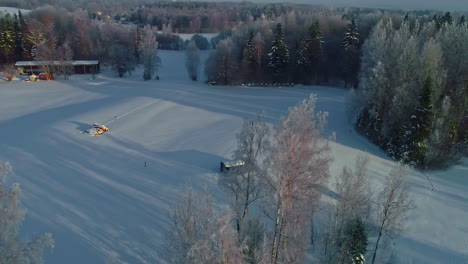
(79, 67)
(230, 165)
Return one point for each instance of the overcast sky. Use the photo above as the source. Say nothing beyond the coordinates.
(452, 5)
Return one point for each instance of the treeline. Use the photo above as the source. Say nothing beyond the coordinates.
(275, 196)
(296, 47)
(414, 82)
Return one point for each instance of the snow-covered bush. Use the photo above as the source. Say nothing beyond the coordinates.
(9, 72)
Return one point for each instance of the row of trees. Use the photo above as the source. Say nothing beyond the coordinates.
(275, 195)
(414, 84)
(301, 54)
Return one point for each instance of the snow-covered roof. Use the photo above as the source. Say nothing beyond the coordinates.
(233, 163)
(40, 63)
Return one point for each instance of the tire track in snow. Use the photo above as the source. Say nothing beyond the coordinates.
(131, 111)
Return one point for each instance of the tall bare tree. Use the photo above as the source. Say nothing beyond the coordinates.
(148, 51)
(245, 184)
(12, 249)
(392, 206)
(298, 162)
(192, 62)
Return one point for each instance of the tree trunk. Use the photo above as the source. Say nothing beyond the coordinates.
(376, 246)
(274, 252)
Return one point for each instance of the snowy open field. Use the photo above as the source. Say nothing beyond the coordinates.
(95, 195)
(13, 10)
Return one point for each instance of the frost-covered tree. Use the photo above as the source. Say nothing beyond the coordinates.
(222, 63)
(192, 61)
(259, 47)
(246, 183)
(354, 242)
(149, 53)
(278, 58)
(121, 58)
(297, 163)
(12, 249)
(9, 72)
(192, 223)
(353, 204)
(393, 205)
(406, 75)
(65, 57)
(197, 235)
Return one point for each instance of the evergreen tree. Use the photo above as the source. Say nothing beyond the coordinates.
(447, 18)
(249, 51)
(309, 54)
(7, 38)
(279, 54)
(248, 58)
(26, 44)
(352, 54)
(462, 21)
(421, 124)
(18, 38)
(351, 36)
(354, 242)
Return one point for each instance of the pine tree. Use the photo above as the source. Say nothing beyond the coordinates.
(354, 242)
(279, 54)
(7, 38)
(351, 59)
(248, 60)
(18, 38)
(351, 36)
(26, 43)
(421, 124)
(461, 21)
(309, 53)
(447, 18)
(249, 51)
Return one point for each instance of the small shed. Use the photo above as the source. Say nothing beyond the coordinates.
(230, 165)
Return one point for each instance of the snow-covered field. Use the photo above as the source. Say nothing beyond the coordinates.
(97, 197)
(13, 10)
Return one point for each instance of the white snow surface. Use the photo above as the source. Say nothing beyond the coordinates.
(13, 10)
(97, 198)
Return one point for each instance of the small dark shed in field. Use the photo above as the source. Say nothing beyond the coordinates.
(230, 165)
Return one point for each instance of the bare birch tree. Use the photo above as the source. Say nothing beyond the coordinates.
(148, 50)
(392, 206)
(192, 62)
(353, 203)
(13, 249)
(298, 162)
(245, 184)
(191, 224)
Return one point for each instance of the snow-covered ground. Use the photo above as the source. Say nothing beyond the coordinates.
(13, 10)
(97, 197)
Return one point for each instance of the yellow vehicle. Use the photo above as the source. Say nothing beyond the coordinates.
(97, 129)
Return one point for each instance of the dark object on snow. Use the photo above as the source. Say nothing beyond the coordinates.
(230, 165)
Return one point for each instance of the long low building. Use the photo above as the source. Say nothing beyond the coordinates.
(79, 67)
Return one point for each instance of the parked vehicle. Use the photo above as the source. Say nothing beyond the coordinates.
(45, 76)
